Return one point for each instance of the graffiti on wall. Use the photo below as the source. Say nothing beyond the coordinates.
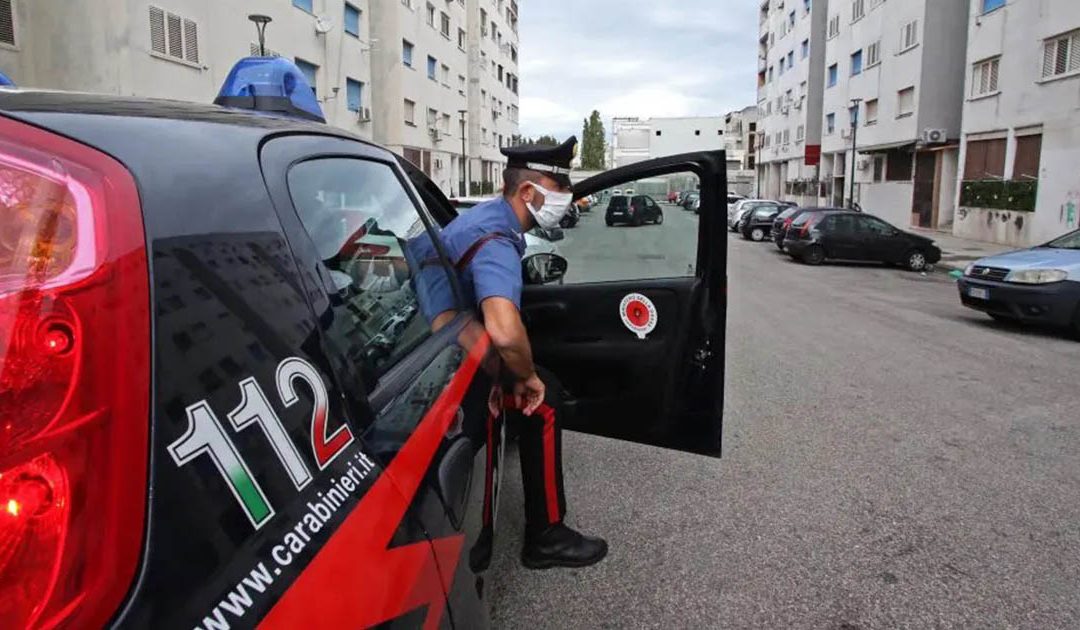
(1067, 213)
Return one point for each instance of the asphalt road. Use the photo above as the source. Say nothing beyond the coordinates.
(890, 460)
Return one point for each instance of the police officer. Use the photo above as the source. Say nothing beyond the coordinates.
(485, 246)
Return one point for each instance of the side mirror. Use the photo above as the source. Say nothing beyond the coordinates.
(544, 268)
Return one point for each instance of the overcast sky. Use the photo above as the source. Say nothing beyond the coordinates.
(633, 58)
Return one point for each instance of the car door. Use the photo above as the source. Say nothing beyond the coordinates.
(636, 331)
(361, 233)
(881, 241)
(840, 237)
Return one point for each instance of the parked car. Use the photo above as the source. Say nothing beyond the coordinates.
(757, 224)
(635, 210)
(1036, 285)
(570, 219)
(786, 217)
(848, 235)
(733, 199)
(689, 201)
(673, 196)
(736, 212)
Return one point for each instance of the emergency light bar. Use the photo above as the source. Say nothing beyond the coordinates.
(5, 81)
(272, 85)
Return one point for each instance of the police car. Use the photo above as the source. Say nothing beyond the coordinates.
(220, 405)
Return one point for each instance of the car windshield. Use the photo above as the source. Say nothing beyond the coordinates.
(1069, 241)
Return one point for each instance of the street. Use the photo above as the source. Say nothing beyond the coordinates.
(891, 459)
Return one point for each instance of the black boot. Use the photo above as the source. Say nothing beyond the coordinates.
(560, 546)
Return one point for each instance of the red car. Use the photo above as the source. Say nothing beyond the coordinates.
(673, 197)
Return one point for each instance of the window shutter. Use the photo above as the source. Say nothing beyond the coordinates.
(993, 75)
(191, 41)
(176, 36)
(1026, 165)
(1048, 58)
(1061, 56)
(7, 23)
(157, 30)
(1074, 52)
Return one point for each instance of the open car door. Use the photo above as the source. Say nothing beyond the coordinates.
(635, 330)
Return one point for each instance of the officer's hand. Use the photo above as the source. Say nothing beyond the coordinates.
(529, 394)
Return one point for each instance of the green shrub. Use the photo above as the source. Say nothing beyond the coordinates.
(999, 194)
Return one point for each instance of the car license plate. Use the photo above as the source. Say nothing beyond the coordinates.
(981, 294)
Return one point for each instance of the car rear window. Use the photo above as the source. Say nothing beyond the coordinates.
(806, 217)
(618, 202)
(787, 213)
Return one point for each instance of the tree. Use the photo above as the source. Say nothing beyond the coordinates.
(548, 141)
(592, 143)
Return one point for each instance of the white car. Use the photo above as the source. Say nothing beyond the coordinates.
(537, 240)
(733, 199)
(741, 207)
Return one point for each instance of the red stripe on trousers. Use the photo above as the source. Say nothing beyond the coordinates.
(551, 493)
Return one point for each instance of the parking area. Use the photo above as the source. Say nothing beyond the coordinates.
(891, 459)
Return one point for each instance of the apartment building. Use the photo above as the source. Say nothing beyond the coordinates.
(419, 67)
(397, 72)
(493, 89)
(790, 71)
(892, 105)
(740, 128)
(1019, 182)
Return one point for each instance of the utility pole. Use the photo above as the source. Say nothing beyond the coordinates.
(464, 158)
(854, 131)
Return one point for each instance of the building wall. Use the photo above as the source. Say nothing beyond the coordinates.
(1024, 103)
(670, 136)
(491, 127)
(630, 141)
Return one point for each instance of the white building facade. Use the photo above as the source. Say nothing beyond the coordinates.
(1019, 180)
(493, 89)
(791, 53)
(353, 52)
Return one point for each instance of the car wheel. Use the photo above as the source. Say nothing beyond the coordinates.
(814, 255)
(659, 218)
(609, 222)
(757, 235)
(915, 260)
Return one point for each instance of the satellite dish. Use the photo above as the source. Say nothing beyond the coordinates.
(323, 25)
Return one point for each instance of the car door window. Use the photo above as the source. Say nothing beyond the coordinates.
(842, 225)
(875, 227)
(359, 218)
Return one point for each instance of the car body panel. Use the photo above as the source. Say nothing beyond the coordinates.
(1067, 260)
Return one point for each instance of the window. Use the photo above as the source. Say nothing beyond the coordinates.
(461, 84)
(170, 35)
(805, 48)
(432, 63)
(782, 65)
(310, 72)
(800, 133)
(984, 77)
(791, 60)
(1061, 55)
(444, 25)
(7, 22)
(984, 159)
(697, 132)
(494, 30)
(787, 136)
(873, 225)
(832, 75)
(834, 26)
(806, 6)
(410, 113)
(909, 35)
(871, 111)
(830, 123)
(905, 101)
(445, 70)
(352, 20)
(898, 166)
(376, 321)
(791, 19)
(770, 75)
(990, 5)
(406, 3)
(873, 54)
(406, 53)
(483, 23)
(430, 15)
(354, 94)
(856, 62)
(303, 4)
(461, 38)
(1026, 165)
(858, 10)
(432, 118)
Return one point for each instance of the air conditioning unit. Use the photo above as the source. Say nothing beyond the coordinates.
(364, 115)
(798, 103)
(863, 164)
(845, 133)
(435, 134)
(935, 136)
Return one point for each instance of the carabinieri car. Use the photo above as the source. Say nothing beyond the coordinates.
(220, 405)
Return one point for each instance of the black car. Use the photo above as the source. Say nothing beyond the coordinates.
(787, 216)
(571, 218)
(817, 236)
(757, 224)
(635, 210)
(689, 200)
(222, 405)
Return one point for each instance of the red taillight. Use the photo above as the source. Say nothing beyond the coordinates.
(74, 380)
(787, 223)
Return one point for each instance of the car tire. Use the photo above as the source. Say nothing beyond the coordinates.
(915, 260)
(757, 235)
(609, 222)
(659, 218)
(813, 255)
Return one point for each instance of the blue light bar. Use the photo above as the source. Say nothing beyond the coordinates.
(5, 81)
(270, 84)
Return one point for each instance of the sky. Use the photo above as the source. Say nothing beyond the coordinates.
(641, 58)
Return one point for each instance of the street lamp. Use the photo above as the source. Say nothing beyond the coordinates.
(854, 131)
(260, 26)
(464, 159)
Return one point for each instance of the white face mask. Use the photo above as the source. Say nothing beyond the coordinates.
(555, 206)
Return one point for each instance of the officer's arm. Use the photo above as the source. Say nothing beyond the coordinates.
(503, 324)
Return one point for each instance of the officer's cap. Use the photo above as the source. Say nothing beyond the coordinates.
(551, 161)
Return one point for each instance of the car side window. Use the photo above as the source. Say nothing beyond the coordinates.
(359, 218)
(843, 224)
(874, 226)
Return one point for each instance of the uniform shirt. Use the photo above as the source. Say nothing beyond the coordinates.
(495, 269)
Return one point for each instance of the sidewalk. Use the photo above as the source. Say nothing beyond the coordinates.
(956, 252)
